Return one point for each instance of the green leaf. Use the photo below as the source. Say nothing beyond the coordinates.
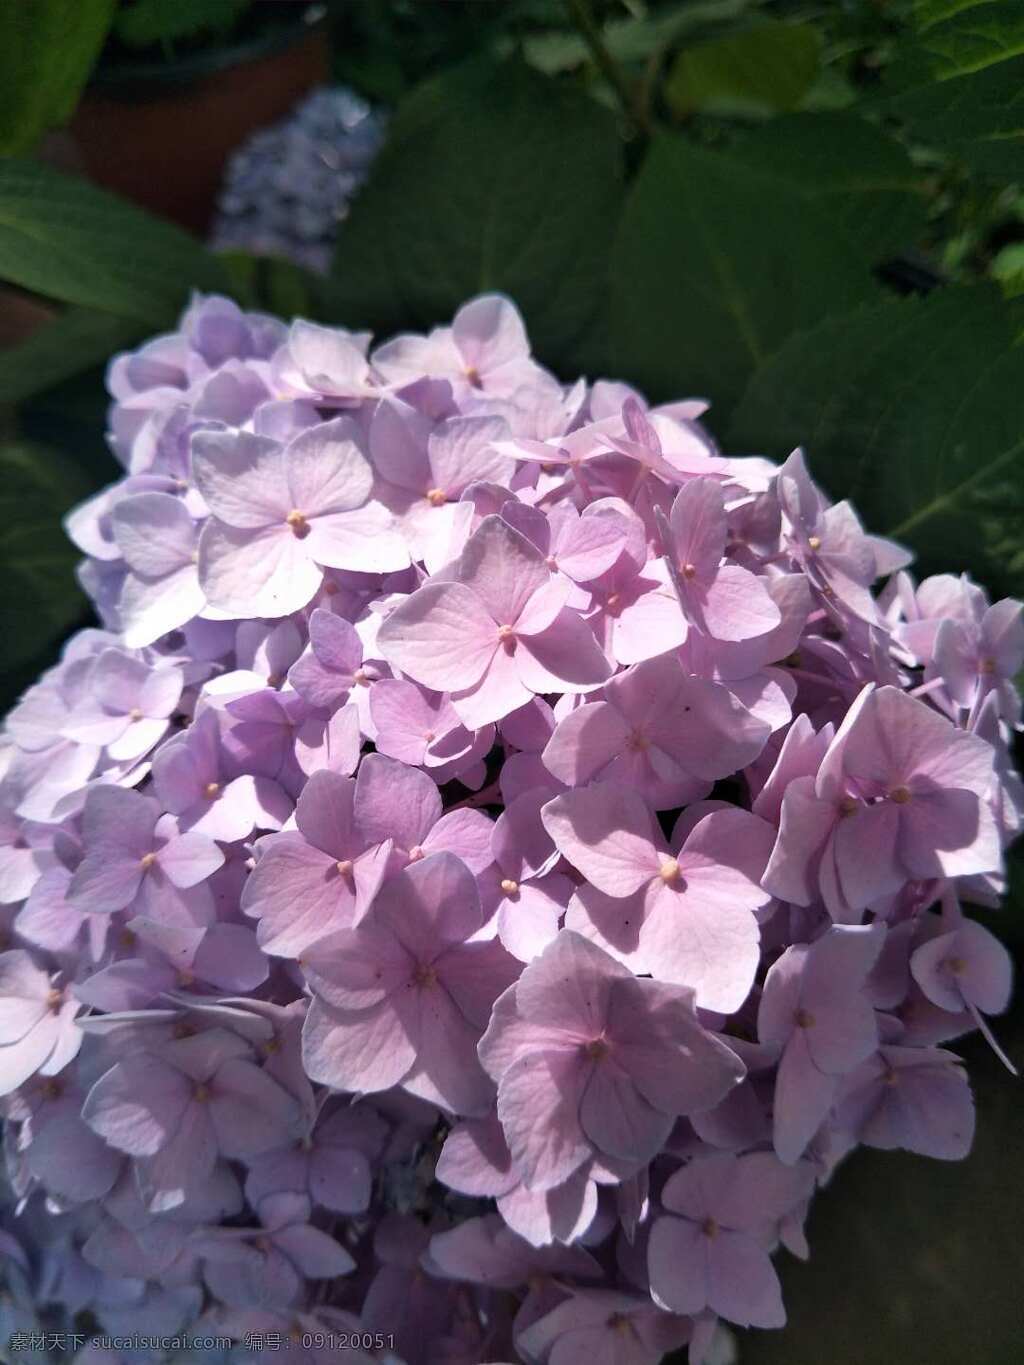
(929, 12)
(70, 241)
(975, 37)
(914, 409)
(848, 165)
(630, 40)
(270, 284)
(494, 178)
(977, 117)
(769, 66)
(72, 342)
(156, 21)
(716, 263)
(40, 598)
(47, 49)
(1008, 269)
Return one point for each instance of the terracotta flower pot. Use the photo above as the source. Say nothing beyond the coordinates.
(160, 134)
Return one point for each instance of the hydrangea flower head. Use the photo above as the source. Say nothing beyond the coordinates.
(493, 855)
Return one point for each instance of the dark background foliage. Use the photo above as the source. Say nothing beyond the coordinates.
(810, 213)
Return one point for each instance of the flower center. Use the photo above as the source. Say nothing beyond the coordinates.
(424, 976)
(956, 965)
(901, 795)
(437, 497)
(804, 1019)
(473, 376)
(54, 1000)
(344, 866)
(597, 1049)
(670, 873)
(510, 887)
(147, 860)
(848, 805)
(637, 742)
(297, 521)
(416, 853)
(135, 713)
(201, 1093)
(211, 790)
(709, 1227)
(986, 666)
(814, 542)
(688, 570)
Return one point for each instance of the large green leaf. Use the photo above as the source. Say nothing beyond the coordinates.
(74, 341)
(974, 37)
(40, 598)
(70, 241)
(850, 166)
(493, 178)
(769, 66)
(915, 410)
(929, 12)
(47, 49)
(716, 263)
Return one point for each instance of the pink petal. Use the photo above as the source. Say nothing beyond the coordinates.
(538, 1106)
(618, 1120)
(442, 635)
(499, 691)
(363, 1051)
(256, 573)
(607, 832)
(563, 658)
(241, 477)
(326, 470)
(502, 568)
(365, 539)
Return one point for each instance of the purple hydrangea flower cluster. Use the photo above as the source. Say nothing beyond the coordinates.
(290, 185)
(496, 858)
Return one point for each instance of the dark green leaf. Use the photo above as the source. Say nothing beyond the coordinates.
(76, 340)
(269, 284)
(915, 410)
(978, 117)
(929, 12)
(70, 241)
(494, 178)
(975, 37)
(715, 265)
(769, 66)
(40, 598)
(848, 165)
(47, 49)
(155, 21)
(631, 39)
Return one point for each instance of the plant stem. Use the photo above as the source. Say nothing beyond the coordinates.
(582, 16)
